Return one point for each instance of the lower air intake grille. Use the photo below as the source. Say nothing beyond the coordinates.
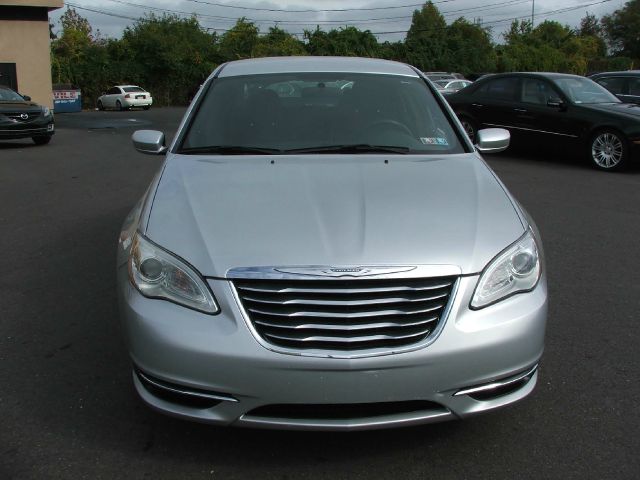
(345, 314)
(347, 411)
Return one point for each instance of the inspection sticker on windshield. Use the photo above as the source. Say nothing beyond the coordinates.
(434, 141)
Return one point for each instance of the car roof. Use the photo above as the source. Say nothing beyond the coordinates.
(267, 65)
(125, 86)
(549, 75)
(623, 73)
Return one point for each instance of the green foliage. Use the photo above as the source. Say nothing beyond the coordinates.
(278, 43)
(239, 41)
(393, 51)
(345, 42)
(549, 47)
(622, 30)
(170, 56)
(426, 39)
(470, 48)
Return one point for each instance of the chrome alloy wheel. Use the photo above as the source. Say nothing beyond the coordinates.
(468, 128)
(607, 150)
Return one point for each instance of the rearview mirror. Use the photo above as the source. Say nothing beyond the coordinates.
(26, 97)
(150, 142)
(493, 140)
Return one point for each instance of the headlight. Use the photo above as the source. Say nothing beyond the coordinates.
(158, 274)
(515, 270)
(45, 111)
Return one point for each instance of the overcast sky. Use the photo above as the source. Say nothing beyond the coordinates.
(221, 14)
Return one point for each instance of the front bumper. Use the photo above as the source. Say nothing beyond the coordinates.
(27, 130)
(218, 354)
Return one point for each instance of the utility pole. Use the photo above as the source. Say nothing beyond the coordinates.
(533, 10)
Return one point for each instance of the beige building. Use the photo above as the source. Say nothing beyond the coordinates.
(25, 61)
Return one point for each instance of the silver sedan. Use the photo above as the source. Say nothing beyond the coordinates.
(317, 257)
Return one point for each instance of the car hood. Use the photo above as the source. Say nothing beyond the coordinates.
(629, 109)
(19, 107)
(227, 212)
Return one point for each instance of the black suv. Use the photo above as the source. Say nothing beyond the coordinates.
(22, 118)
(624, 85)
(554, 107)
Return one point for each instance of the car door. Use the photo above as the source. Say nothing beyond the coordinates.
(632, 95)
(542, 110)
(113, 94)
(108, 98)
(492, 104)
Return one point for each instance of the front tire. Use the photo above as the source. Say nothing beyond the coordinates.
(100, 106)
(608, 150)
(41, 140)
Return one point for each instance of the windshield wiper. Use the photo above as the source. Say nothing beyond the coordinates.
(354, 148)
(229, 150)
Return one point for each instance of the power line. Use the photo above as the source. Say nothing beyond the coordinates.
(359, 9)
(359, 21)
(491, 22)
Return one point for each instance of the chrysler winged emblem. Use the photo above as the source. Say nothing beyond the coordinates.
(345, 271)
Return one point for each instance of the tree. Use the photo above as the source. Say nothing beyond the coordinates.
(346, 42)
(72, 20)
(393, 51)
(70, 49)
(590, 27)
(622, 30)
(426, 41)
(470, 48)
(278, 43)
(239, 41)
(169, 55)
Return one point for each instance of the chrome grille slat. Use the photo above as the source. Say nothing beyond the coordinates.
(318, 314)
(373, 301)
(328, 326)
(345, 291)
(362, 339)
(344, 314)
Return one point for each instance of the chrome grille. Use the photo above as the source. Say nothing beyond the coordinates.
(349, 315)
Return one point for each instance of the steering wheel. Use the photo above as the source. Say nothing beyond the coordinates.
(387, 122)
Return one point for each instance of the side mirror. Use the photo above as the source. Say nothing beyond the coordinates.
(493, 140)
(103, 93)
(555, 102)
(26, 97)
(150, 142)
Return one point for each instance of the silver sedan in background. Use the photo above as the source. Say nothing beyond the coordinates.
(451, 86)
(321, 257)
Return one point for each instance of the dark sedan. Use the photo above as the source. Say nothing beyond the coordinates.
(624, 85)
(540, 107)
(22, 118)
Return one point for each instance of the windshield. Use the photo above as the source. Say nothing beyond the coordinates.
(320, 113)
(132, 89)
(8, 95)
(442, 83)
(584, 90)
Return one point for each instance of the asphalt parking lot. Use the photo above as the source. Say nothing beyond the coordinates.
(68, 409)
